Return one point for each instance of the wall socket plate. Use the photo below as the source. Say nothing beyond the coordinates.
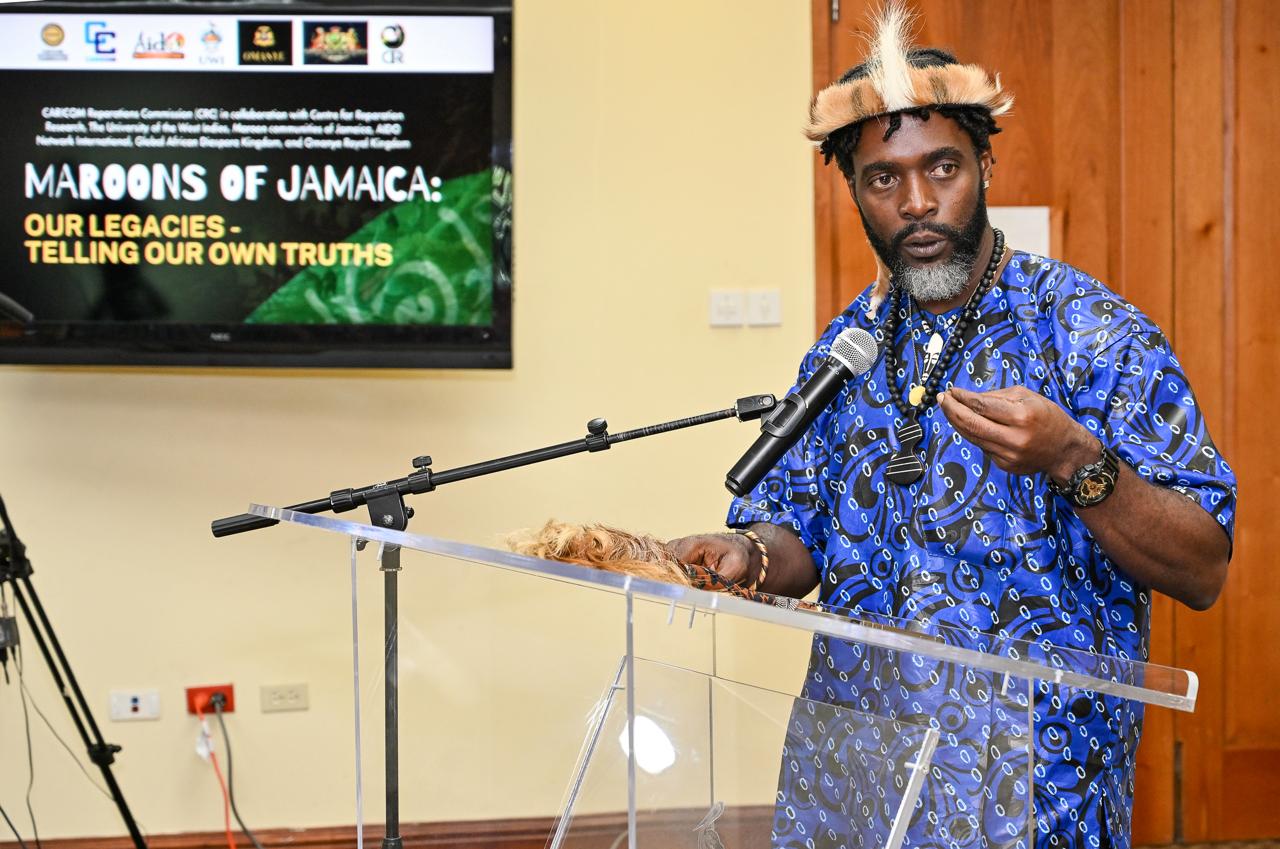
(134, 705)
(198, 697)
(277, 698)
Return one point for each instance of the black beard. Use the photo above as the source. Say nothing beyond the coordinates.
(942, 282)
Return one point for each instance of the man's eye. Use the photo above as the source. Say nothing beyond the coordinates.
(882, 181)
(946, 169)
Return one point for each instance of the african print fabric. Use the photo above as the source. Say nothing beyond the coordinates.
(996, 555)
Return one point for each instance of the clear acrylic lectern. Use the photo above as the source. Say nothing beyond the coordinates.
(664, 717)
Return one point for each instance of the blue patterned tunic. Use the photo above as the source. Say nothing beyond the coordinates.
(990, 552)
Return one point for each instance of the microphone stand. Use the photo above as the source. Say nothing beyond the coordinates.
(15, 569)
(385, 502)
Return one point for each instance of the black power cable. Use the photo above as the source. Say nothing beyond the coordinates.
(71, 753)
(217, 701)
(12, 828)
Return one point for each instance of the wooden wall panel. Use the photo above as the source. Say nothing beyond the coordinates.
(1145, 277)
(1146, 158)
(1198, 333)
(1250, 731)
(824, 188)
(1252, 643)
(1086, 166)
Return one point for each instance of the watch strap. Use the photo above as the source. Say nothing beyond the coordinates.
(1105, 469)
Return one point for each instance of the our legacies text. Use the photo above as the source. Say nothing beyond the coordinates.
(126, 239)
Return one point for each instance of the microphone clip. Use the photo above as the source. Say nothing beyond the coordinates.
(752, 407)
(787, 417)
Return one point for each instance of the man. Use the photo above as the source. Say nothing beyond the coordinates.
(1060, 470)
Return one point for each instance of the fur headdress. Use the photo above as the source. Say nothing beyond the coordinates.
(892, 84)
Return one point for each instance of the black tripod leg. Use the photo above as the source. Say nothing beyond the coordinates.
(100, 752)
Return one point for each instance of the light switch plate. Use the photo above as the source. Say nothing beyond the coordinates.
(728, 308)
(764, 307)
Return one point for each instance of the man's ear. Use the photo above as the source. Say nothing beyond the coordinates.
(986, 164)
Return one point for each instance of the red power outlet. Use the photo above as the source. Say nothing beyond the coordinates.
(198, 698)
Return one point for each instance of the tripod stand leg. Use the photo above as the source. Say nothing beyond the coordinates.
(100, 752)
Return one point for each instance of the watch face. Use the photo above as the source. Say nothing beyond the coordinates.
(1095, 487)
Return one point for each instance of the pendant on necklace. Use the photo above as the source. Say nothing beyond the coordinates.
(916, 395)
(932, 351)
(904, 466)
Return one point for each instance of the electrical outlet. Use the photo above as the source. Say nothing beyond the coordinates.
(131, 705)
(198, 698)
(277, 698)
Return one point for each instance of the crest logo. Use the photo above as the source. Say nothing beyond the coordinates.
(336, 43)
(212, 41)
(266, 42)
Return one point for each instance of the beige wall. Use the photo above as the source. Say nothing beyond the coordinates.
(658, 156)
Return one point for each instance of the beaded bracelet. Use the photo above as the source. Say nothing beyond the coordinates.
(764, 556)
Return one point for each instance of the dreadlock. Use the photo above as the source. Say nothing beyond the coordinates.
(976, 121)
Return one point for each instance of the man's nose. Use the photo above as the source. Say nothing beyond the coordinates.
(918, 201)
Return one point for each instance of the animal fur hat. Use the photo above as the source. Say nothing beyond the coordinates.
(891, 85)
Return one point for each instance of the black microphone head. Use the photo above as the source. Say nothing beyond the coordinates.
(855, 349)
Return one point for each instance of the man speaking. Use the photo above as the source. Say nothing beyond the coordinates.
(1024, 459)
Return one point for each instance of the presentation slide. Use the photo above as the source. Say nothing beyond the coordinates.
(250, 171)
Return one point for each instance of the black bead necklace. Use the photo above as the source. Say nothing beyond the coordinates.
(905, 466)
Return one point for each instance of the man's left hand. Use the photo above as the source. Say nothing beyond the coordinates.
(1022, 431)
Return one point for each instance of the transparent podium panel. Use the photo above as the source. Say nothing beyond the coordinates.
(698, 745)
(977, 791)
(593, 709)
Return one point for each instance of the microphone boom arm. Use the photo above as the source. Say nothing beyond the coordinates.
(423, 479)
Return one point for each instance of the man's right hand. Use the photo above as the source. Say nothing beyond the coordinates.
(792, 571)
(734, 556)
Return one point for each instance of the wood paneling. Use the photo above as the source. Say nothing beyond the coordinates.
(1252, 643)
(1198, 336)
(1145, 276)
(824, 189)
(1085, 122)
(1249, 736)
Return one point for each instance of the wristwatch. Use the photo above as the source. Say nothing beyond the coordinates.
(1093, 482)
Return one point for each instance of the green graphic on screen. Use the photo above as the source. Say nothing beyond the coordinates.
(442, 273)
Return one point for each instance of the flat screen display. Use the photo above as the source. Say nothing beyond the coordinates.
(257, 185)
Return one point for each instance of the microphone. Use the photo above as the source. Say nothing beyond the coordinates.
(852, 353)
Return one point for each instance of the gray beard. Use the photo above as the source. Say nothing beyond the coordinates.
(935, 283)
